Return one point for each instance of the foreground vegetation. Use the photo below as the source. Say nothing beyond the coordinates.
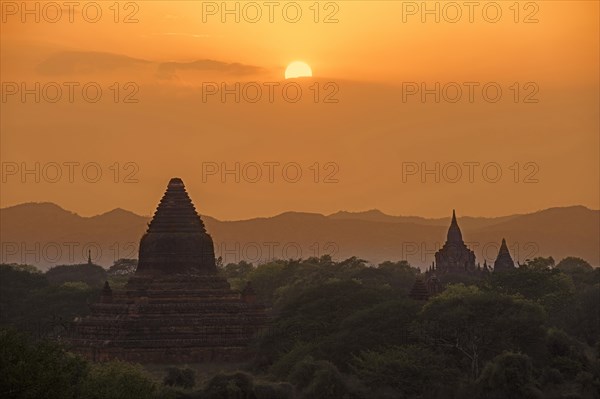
(339, 330)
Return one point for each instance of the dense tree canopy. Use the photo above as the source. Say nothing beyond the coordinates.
(92, 275)
(342, 329)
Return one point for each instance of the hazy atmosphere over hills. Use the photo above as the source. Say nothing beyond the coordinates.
(300, 199)
(46, 235)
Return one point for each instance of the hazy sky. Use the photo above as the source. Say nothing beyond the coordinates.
(403, 112)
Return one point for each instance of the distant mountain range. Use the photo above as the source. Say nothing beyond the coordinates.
(44, 234)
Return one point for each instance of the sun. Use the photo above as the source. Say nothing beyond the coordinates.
(297, 69)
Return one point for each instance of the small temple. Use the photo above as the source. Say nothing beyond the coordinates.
(456, 258)
(504, 261)
(175, 308)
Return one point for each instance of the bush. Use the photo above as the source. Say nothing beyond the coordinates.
(92, 275)
(224, 386)
(185, 378)
(318, 379)
(118, 380)
(273, 391)
(509, 375)
(40, 369)
(407, 371)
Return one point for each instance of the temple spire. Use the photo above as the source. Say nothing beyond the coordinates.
(455, 256)
(454, 234)
(504, 261)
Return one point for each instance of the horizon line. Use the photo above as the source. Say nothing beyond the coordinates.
(305, 212)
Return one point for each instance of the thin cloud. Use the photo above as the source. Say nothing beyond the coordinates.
(168, 70)
(85, 62)
(77, 62)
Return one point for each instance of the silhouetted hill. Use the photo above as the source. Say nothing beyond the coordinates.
(44, 234)
(375, 215)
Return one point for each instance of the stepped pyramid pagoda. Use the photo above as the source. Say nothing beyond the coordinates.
(175, 308)
(504, 261)
(454, 256)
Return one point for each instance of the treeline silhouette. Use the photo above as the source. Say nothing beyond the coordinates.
(339, 330)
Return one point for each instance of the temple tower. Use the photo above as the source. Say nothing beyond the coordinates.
(504, 261)
(175, 308)
(454, 256)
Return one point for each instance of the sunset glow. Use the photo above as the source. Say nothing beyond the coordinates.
(300, 199)
(196, 82)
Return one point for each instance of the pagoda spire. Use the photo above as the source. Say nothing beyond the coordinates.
(504, 261)
(454, 234)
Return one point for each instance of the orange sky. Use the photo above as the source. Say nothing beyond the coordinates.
(363, 142)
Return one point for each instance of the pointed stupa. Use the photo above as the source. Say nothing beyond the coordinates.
(176, 241)
(455, 256)
(504, 261)
(454, 234)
